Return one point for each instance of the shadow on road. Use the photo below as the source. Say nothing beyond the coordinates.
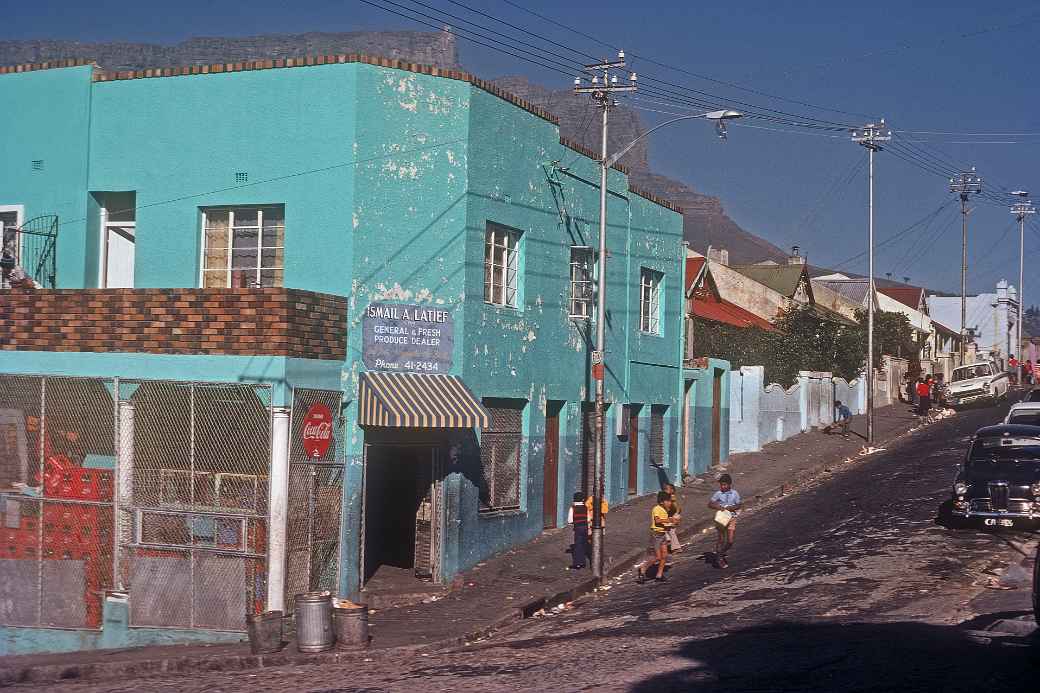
(902, 656)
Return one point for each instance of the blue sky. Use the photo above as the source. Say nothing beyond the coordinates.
(943, 67)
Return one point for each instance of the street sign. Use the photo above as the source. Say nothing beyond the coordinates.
(317, 430)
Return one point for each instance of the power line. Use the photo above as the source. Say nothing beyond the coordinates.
(899, 234)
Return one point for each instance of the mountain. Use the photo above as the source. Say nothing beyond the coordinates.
(705, 222)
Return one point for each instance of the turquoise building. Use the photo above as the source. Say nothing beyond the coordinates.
(312, 324)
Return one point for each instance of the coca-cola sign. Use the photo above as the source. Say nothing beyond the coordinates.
(317, 431)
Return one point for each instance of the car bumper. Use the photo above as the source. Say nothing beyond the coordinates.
(988, 518)
(968, 399)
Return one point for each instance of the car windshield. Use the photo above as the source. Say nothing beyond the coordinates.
(1033, 396)
(969, 372)
(1027, 418)
(1021, 448)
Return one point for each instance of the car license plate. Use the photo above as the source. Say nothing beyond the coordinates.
(995, 522)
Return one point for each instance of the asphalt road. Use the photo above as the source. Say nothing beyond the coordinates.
(847, 585)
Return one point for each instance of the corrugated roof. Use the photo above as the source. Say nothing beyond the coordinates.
(854, 290)
(711, 308)
(832, 316)
(782, 279)
(693, 270)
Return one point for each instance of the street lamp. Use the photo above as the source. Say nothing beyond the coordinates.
(602, 87)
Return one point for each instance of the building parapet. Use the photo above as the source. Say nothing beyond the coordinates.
(264, 321)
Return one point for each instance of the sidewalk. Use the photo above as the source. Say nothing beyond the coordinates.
(506, 588)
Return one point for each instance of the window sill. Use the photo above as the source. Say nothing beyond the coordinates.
(506, 512)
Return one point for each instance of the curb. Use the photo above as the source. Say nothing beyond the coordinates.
(55, 673)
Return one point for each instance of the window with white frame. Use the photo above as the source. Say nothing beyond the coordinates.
(581, 283)
(650, 300)
(501, 261)
(243, 246)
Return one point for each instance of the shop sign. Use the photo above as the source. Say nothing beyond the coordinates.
(405, 337)
(317, 430)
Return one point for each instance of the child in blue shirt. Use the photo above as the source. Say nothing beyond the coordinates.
(726, 498)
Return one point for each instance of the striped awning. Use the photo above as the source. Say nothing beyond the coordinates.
(413, 400)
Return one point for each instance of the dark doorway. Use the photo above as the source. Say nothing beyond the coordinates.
(550, 487)
(716, 417)
(397, 498)
(632, 412)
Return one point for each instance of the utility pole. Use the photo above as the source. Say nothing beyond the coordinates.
(602, 88)
(966, 184)
(870, 136)
(1021, 210)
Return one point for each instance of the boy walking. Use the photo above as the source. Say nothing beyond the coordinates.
(579, 517)
(674, 516)
(659, 525)
(725, 502)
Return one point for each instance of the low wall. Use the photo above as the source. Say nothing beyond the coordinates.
(760, 414)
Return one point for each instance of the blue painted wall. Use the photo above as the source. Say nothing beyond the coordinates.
(46, 117)
(701, 406)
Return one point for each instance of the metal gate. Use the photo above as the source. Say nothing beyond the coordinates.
(315, 496)
(37, 249)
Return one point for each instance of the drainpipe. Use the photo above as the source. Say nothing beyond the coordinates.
(278, 509)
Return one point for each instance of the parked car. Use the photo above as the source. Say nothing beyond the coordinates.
(1033, 395)
(999, 482)
(1026, 413)
(977, 382)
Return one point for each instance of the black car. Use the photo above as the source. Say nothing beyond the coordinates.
(1033, 395)
(999, 484)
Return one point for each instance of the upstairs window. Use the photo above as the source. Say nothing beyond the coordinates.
(501, 261)
(581, 283)
(243, 247)
(650, 301)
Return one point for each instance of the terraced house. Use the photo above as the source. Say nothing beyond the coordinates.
(296, 325)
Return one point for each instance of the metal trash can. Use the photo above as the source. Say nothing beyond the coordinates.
(351, 626)
(265, 632)
(314, 622)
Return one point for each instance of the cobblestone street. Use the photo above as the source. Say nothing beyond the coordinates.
(846, 585)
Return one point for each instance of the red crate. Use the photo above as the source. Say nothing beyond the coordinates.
(84, 484)
(19, 537)
(71, 515)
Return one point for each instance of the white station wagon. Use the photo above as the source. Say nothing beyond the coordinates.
(977, 382)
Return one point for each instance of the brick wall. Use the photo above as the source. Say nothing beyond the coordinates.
(269, 321)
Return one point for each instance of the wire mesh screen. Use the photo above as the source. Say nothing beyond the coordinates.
(200, 461)
(57, 469)
(315, 492)
(657, 435)
(500, 455)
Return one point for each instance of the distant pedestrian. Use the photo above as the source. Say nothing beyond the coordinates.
(1013, 367)
(726, 503)
(924, 397)
(578, 516)
(842, 418)
(604, 508)
(675, 516)
(659, 525)
(1027, 371)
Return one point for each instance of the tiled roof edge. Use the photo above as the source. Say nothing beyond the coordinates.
(47, 65)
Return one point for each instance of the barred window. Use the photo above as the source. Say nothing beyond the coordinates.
(581, 283)
(657, 457)
(650, 300)
(500, 455)
(243, 247)
(501, 260)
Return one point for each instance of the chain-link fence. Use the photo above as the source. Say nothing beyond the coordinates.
(315, 492)
(157, 488)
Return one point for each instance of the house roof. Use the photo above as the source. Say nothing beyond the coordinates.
(832, 316)
(694, 266)
(710, 307)
(854, 290)
(939, 327)
(911, 296)
(783, 279)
